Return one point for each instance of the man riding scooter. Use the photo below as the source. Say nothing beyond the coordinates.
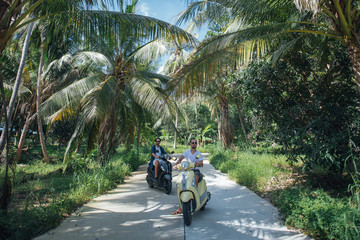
(156, 151)
(191, 154)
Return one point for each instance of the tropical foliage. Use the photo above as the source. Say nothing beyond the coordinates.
(283, 74)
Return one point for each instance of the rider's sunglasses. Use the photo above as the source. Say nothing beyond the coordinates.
(193, 142)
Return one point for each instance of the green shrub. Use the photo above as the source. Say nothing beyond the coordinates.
(134, 157)
(246, 168)
(52, 194)
(318, 214)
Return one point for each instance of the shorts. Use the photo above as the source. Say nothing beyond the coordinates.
(159, 160)
(197, 172)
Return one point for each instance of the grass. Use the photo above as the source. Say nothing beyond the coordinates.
(320, 203)
(323, 205)
(43, 195)
(249, 169)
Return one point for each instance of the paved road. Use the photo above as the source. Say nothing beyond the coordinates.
(133, 211)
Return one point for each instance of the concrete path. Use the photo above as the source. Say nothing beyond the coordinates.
(134, 211)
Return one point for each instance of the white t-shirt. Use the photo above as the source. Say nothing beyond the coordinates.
(192, 157)
(157, 151)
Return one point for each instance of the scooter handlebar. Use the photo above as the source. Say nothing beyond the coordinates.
(185, 165)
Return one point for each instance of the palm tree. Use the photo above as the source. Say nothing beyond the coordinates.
(268, 28)
(121, 85)
(90, 23)
(344, 25)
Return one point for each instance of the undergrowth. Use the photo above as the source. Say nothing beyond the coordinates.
(43, 195)
(317, 211)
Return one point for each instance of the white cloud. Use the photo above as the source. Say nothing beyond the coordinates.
(143, 9)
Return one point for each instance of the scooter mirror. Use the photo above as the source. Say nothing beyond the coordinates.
(198, 156)
(172, 152)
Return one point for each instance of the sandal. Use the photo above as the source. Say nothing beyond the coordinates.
(176, 212)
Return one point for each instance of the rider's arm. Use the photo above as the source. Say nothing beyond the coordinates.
(199, 164)
(153, 152)
(179, 160)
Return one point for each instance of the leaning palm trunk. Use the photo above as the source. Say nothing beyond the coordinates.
(40, 129)
(16, 87)
(241, 121)
(176, 126)
(23, 134)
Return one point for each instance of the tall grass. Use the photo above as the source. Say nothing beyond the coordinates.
(303, 207)
(318, 214)
(249, 169)
(52, 195)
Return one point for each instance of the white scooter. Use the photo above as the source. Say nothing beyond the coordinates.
(191, 198)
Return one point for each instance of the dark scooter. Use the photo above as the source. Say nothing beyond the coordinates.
(164, 174)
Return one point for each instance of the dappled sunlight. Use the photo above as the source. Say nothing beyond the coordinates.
(135, 211)
(234, 212)
(130, 210)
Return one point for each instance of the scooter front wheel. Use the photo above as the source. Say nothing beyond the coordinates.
(187, 214)
(167, 186)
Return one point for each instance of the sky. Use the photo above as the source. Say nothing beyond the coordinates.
(166, 10)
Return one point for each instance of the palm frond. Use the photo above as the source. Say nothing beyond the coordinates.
(22, 89)
(69, 96)
(94, 59)
(150, 97)
(176, 60)
(253, 11)
(152, 51)
(285, 48)
(98, 23)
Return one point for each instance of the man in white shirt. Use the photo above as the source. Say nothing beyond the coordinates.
(191, 154)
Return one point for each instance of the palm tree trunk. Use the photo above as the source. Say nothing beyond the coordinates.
(241, 121)
(219, 127)
(196, 116)
(225, 125)
(176, 126)
(6, 188)
(106, 136)
(16, 86)
(354, 55)
(138, 132)
(40, 129)
(23, 135)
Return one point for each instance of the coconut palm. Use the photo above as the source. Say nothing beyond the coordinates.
(94, 22)
(120, 85)
(268, 28)
(78, 19)
(343, 24)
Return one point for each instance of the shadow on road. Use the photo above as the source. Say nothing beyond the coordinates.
(134, 211)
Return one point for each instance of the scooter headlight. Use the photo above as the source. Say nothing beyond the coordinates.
(185, 165)
(162, 168)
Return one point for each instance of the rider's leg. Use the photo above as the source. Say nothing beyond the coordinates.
(156, 168)
(197, 176)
